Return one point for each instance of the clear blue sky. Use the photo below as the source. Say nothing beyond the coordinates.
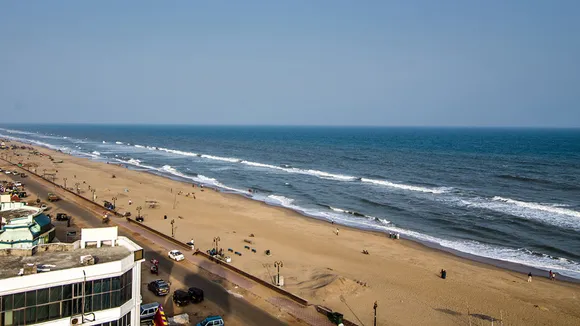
(433, 62)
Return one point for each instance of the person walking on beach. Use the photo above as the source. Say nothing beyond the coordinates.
(336, 231)
(130, 202)
(529, 277)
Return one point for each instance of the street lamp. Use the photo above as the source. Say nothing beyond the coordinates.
(375, 308)
(64, 179)
(173, 228)
(216, 242)
(114, 202)
(77, 185)
(139, 208)
(278, 264)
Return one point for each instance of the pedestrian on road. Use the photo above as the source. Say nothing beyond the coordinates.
(529, 277)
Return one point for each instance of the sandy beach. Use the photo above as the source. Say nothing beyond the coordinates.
(322, 264)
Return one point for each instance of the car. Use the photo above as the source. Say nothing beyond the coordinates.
(43, 207)
(140, 219)
(62, 217)
(176, 255)
(181, 298)
(18, 184)
(159, 287)
(7, 172)
(195, 294)
(212, 321)
(149, 310)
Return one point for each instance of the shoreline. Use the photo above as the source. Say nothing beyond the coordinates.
(319, 265)
(492, 262)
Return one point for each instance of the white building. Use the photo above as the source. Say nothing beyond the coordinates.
(23, 226)
(93, 281)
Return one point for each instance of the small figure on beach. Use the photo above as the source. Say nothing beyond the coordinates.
(443, 274)
(336, 231)
(164, 217)
(130, 202)
(553, 276)
(529, 277)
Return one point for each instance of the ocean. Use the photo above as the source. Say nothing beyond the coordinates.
(507, 194)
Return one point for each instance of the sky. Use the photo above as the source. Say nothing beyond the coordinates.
(300, 62)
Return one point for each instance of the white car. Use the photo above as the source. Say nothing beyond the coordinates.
(18, 184)
(7, 172)
(176, 255)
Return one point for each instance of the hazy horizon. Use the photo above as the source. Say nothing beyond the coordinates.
(325, 63)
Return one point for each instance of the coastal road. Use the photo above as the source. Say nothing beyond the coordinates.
(240, 308)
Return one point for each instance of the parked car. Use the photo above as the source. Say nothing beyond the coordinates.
(180, 298)
(18, 184)
(140, 219)
(159, 287)
(195, 294)
(7, 172)
(212, 321)
(62, 217)
(176, 255)
(23, 175)
(149, 310)
(43, 207)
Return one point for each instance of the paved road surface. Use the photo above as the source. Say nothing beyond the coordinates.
(244, 311)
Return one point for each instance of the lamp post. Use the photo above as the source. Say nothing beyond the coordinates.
(64, 179)
(216, 242)
(173, 228)
(375, 308)
(139, 208)
(77, 185)
(114, 202)
(278, 264)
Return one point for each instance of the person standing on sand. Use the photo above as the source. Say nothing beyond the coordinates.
(130, 202)
(529, 277)
(336, 231)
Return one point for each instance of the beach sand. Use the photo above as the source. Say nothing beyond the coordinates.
(318, 264)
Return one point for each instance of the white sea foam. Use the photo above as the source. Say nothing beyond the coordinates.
(551, 208)
(104, 142)
(386, 183)
(174, 151)
(119, 143)
(96, 153)
(139, 146)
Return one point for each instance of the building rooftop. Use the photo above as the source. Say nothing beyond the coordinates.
(11, 264)
(17, 213)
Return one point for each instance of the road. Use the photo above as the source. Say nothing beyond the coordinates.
(241, 309)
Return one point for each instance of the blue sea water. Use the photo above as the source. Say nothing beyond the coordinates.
(506, 194)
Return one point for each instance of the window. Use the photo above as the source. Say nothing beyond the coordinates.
(7, 302)
(18, 316)
(31, 315)
(106, 304)
(78, 290)
(42, 296)
(89, 288)
(55, 293)
(88, 303)
(31, 298)
(97, 302)
(115, 298)
(54, 310)
(42, 313)
(116, 283)
(67, 308)
(97, 286)
(67, 291)
(18, 300)
(106, 285)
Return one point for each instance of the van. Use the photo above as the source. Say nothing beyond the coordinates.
(212, 321)
(149, 310)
